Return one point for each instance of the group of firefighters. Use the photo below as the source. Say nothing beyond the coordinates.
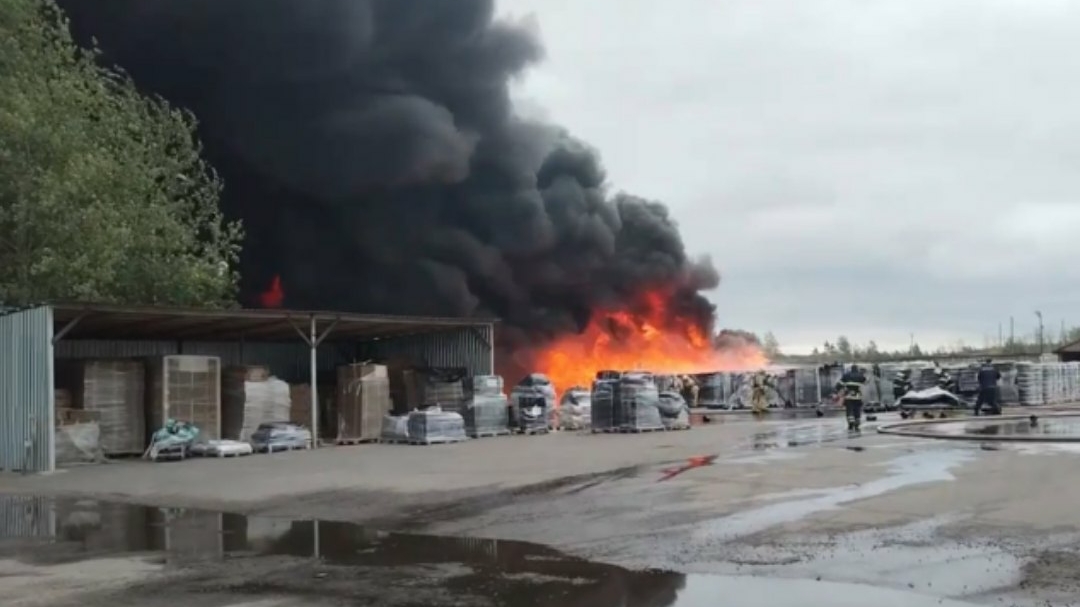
(849, 389)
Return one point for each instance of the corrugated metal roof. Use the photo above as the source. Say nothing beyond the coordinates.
(94, 321)
(1069, 348)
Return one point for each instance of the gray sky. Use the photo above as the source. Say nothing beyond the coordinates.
(862, 167)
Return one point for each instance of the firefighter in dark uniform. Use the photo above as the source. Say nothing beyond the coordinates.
(988, 377)
(850, 389)
(901, 384)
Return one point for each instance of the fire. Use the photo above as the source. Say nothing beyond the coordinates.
(273, 296)
(651, 340)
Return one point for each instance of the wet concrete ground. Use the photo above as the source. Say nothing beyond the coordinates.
(797, 512)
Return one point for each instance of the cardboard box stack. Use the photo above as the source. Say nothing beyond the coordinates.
(363, 398)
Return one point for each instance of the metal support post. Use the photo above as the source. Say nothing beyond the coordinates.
(313, 343)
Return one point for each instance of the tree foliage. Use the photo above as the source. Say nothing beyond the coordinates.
(103, 194)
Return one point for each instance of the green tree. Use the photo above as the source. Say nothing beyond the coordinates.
(771, 345)
(843, 346)
(103, 194)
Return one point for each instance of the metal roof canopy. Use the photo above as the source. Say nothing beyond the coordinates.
(1069, 348)
(116, 322)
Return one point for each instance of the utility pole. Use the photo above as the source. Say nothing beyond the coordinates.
(1038, 315)
(1012, 333)
(1001, 337)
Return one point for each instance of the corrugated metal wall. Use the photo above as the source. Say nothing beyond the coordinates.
(465, 347)
(24, 516)
(26, 390)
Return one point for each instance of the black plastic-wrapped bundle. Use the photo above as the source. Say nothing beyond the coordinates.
(715, 389)
(531, 402)
(575, 409)
(638, 405)
(603, 399)
(486, 415)
(785, 388)
(434, 425)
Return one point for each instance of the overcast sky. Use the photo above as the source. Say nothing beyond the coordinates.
(860, 167)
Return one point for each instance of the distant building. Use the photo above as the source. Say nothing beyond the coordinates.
(1070, 352)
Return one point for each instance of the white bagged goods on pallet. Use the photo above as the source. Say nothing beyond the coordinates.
(77, 443)
(221, 448)
(530, 403)
(674, 412)
(638, 405)
(433, 425)
(395, 428)
(116, 390)
(279, 436)
(575, 409)
(1008, 390)
(250, 398)
(486, 415)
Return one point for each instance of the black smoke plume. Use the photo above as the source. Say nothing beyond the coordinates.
(372, 152)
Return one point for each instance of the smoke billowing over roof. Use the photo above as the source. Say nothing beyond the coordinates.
(371, 149)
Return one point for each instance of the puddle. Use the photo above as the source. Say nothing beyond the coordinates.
(38, 535)
(789, 436)
(904, 471)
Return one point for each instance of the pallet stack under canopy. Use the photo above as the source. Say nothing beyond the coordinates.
(363, 399)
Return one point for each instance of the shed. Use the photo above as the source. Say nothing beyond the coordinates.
(1070, 352)
(295, 345)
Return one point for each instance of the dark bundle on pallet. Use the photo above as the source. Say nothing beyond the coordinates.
(638, 405)
(433, 425)
(604, 391)
(430, 386)
(531, 402)
(280, 436)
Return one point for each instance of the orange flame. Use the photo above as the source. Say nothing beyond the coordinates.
(273, 296)
(652, 340)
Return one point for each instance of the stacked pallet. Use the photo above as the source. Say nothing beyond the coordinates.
(807, 386)
(486, 409)
(1029, 384)
(433, 426)
(188, 389)
(363, 399)
(602, 399)
(1008, 391)
(115, 391)
(638, 405)
(531, 402)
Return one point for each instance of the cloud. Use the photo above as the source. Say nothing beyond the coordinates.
(853, 166)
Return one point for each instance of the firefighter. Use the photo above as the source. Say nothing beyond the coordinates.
(690, 390)
(759, 396)
(850, 388)
(988, 377)
(901, 384)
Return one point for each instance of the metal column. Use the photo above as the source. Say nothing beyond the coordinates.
(313, 344)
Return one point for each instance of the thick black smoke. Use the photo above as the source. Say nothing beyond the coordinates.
(371, 150)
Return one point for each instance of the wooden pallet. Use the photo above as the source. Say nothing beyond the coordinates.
(217, 455)
(282, 449)
(437, 442)
(629, 430)
(676, 428)
(490, 434)
(534, 431)
(355, 441)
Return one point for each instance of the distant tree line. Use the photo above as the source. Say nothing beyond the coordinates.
(844, 350)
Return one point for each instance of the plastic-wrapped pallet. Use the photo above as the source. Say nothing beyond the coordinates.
(433, 425)
(530, 403)
(1072, 374)
(363, 399)
(638, 406)
(714, 390)
(575, 409)
(489, 385)
(395, 428)
(1029, 384)
(1008, 391)
(280, 436)
(250, 398)
(115, 389)
(674, 413)
(807, 386)
(486, 415)
(602, 404)
(785, 388)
